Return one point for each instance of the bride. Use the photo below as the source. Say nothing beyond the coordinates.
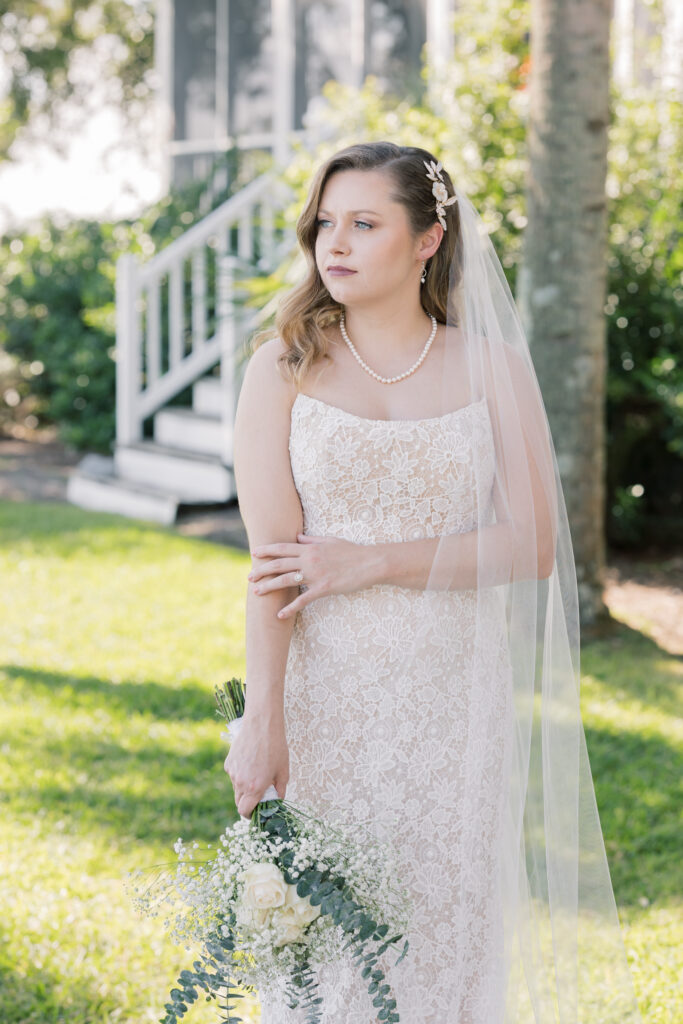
(412, 636)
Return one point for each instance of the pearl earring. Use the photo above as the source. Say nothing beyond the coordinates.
(424, 273)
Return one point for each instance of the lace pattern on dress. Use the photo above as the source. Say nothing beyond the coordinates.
(368, 738)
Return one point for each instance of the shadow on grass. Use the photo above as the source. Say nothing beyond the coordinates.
(37, 519)
(141, 785)
(30, 998)
(148, 783)
(69, 528)
(637, 775)
(151, 794)
(135, 777)
(186, 702)
(625, 662)
(638, 792)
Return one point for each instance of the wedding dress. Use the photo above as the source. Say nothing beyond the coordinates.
(447, 720)
(368, 741)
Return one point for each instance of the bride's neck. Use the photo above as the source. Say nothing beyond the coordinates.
(388, 336)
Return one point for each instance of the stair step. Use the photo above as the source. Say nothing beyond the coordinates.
(93, 484)
(207, 396)
(188, 429)
(194, 477)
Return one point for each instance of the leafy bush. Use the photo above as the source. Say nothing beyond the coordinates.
(645, 321)
(480, 135)
(57, 285)
(57, 294)
(57, 313)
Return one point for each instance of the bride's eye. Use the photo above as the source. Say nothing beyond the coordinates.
(323, 220)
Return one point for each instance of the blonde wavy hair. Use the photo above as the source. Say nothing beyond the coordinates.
(304, 312)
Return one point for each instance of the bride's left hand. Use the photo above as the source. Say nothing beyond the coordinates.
(330, 565)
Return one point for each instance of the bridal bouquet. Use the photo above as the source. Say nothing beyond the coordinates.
(275, 900)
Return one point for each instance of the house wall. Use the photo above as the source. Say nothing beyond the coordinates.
(252, 69)
(224, 62)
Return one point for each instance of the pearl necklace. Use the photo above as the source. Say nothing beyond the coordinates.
(388, 380)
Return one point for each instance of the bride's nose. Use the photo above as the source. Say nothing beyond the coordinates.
(338, 243)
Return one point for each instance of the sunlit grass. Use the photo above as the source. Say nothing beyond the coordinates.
(112, 636)
(631, 705)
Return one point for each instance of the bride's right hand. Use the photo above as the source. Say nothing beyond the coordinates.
(258, 758)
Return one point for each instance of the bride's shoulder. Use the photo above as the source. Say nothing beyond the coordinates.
(268, 359)
(272, 371)
(274, 351)
(268, 352)
(266, 383)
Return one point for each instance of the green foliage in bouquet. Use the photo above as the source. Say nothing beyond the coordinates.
(320, 881)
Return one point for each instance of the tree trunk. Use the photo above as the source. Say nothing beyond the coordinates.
(561, 285)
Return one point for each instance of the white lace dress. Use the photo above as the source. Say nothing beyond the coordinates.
(365, 734)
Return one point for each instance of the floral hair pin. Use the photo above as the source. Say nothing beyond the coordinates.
(439, 190)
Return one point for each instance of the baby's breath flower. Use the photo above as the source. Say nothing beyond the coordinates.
(206, 888)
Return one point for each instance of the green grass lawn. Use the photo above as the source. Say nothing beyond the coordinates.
(113, 634)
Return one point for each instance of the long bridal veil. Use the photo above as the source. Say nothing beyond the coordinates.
(537, 857)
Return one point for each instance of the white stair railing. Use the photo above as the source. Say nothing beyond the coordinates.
(158, 356)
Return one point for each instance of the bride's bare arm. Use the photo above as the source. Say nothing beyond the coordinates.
(409, 563)
(271, 511)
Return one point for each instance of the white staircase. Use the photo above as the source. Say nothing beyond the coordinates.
(150, 479)
(199, 342)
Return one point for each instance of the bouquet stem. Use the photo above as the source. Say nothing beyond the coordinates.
(231, 701)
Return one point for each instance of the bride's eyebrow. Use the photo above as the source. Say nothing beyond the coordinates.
(355, 211)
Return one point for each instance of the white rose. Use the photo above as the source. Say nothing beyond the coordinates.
(440, 191)
(252, 918)
(301, 905)
(264, 886)
(287, 926)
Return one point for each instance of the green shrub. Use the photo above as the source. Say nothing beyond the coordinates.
(480, 135)
(57, 285)
(645, 322)
(57, 313)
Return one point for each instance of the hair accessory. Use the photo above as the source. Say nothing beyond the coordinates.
(439, 190)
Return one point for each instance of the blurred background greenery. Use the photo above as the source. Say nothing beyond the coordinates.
(57, 318)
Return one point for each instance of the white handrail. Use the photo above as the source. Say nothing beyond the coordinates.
(199, 233)
(156, 356)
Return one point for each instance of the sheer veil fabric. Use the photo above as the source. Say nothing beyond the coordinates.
(559, 951)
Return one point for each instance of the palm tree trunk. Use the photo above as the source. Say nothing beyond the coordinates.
(561, 285)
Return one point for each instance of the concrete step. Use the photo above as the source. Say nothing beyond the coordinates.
(193, 477)
(93, 484)
(188, 429)
(207, 397)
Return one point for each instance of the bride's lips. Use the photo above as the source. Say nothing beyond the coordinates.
(338, 271)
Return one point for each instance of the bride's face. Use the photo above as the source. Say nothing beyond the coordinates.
(362, 229)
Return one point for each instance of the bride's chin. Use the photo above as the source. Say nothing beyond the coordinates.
(342, 294)
(342, 279)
